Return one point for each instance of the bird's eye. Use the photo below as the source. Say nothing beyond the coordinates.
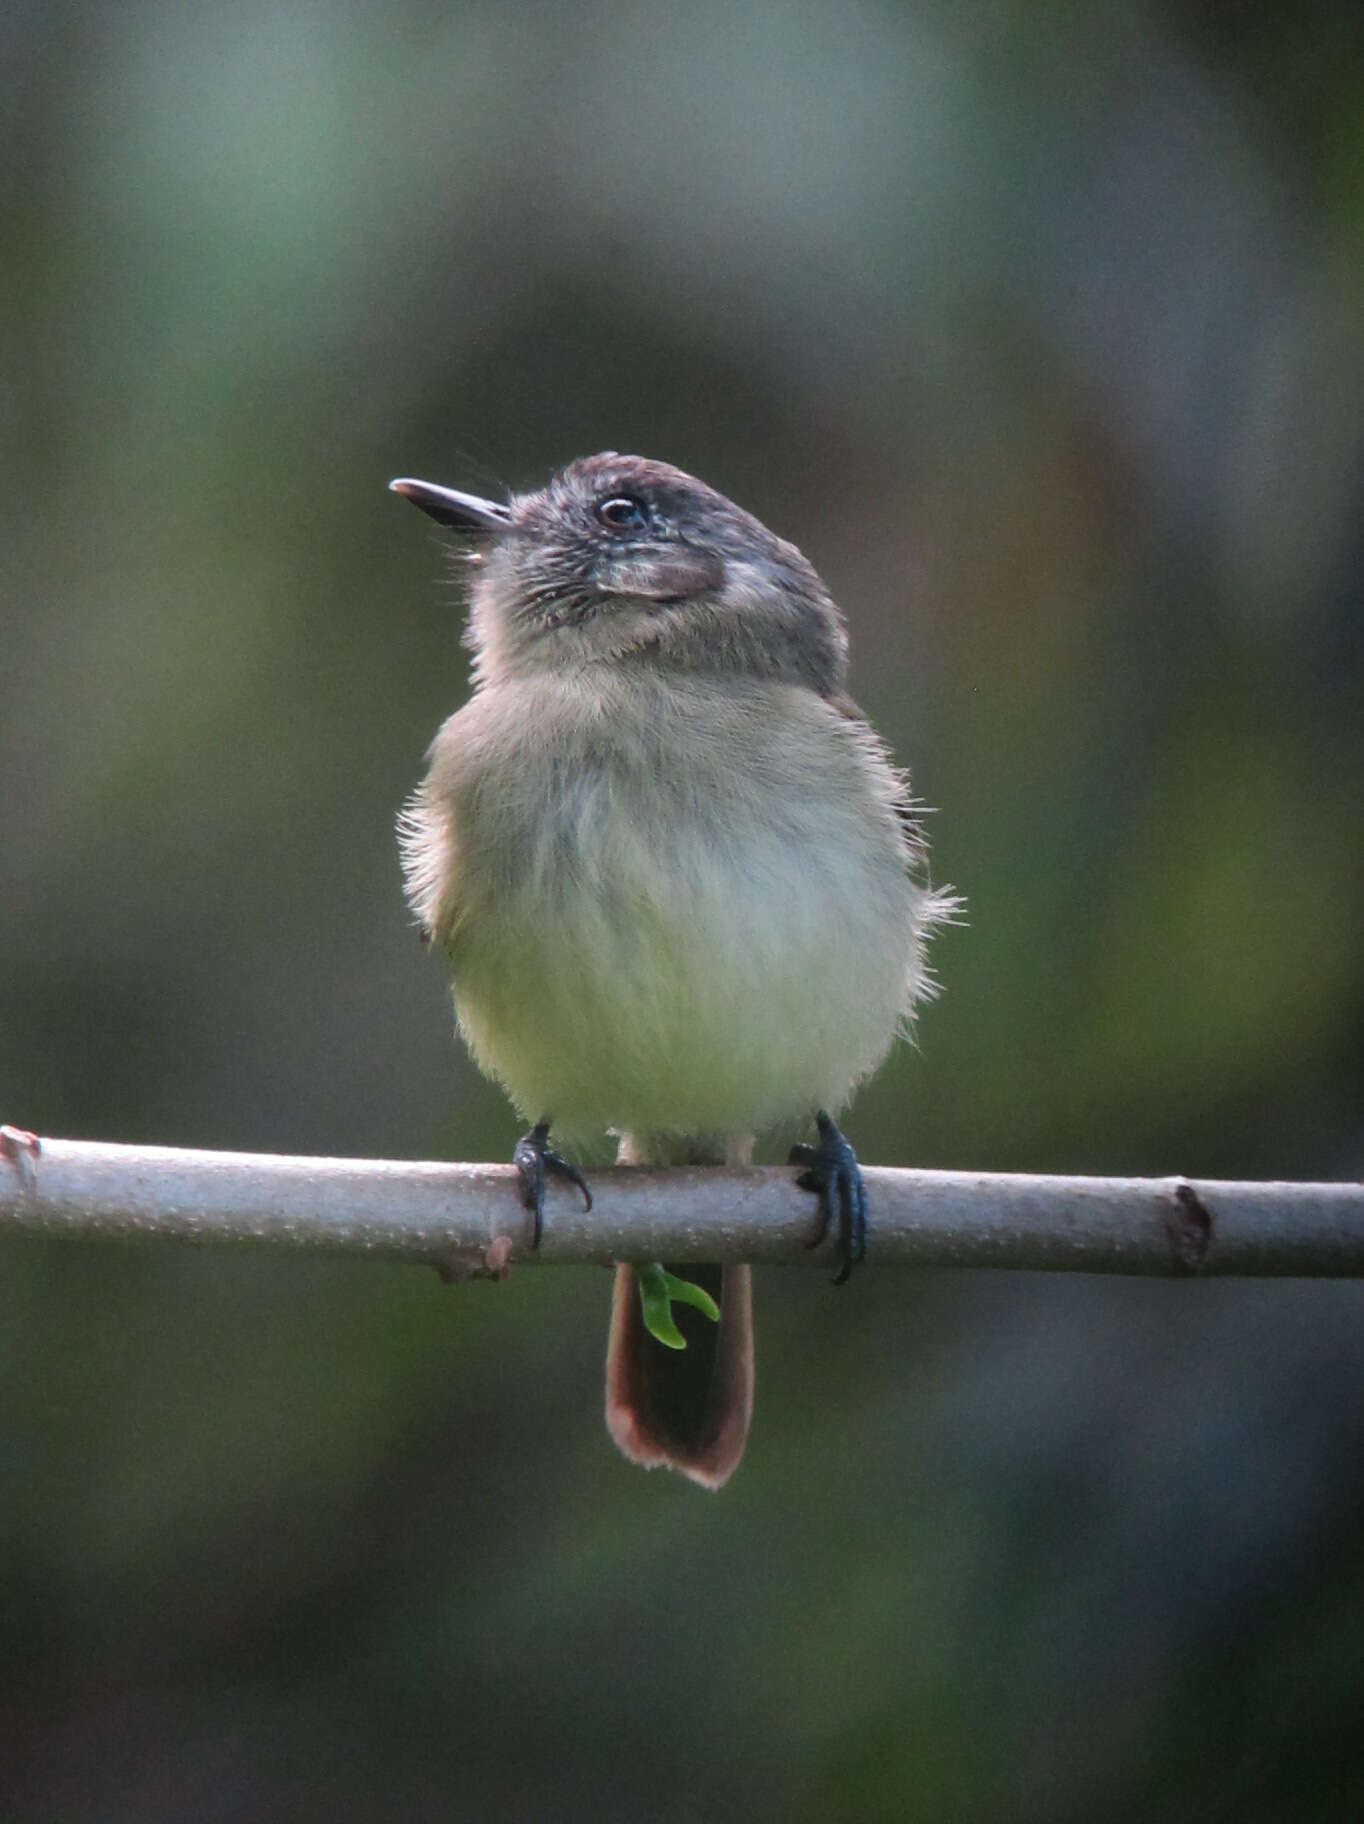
(623, 513)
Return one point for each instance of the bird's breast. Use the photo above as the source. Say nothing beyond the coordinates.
(689, 915)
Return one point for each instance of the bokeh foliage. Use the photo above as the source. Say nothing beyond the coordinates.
(1041, 329)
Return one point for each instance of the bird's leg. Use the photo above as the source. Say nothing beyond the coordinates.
(832, 1170)
(535, 1159)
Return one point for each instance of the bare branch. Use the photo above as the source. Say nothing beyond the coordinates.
(467, 1219)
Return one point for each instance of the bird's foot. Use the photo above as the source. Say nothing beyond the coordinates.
(535, 1160)
(832, 1171)
(20, 1148)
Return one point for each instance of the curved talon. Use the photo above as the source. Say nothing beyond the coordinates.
(832, 1169)
(535, 1159)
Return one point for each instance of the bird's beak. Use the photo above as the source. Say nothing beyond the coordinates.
(462, 512)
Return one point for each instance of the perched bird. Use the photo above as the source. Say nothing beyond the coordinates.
(679, 883)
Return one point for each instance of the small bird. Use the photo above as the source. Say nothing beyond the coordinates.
(680, 885)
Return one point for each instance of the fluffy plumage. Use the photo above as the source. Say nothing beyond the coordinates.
(678, 880)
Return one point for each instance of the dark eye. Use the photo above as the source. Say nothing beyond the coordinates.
(623, 513)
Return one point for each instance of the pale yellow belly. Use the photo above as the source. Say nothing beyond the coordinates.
(660, 985)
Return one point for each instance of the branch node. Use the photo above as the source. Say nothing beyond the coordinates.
(461, 1265)
(1190, 1228)
(21, 1148)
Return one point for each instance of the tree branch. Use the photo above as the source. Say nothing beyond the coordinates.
(467, 1219)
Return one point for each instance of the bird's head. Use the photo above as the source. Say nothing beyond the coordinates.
(623, 560)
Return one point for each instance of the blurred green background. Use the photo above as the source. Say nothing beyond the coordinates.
(1041, 329)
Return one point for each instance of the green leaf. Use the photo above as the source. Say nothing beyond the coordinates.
(658, 1289)
(687, 1292)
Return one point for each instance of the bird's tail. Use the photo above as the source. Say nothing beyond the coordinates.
(687, 1409)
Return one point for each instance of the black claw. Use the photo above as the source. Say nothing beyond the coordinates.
(535, 1159)
(832, 1170)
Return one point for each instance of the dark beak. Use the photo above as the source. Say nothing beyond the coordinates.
(462, 512)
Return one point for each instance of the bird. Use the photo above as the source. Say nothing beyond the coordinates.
(680, 885)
